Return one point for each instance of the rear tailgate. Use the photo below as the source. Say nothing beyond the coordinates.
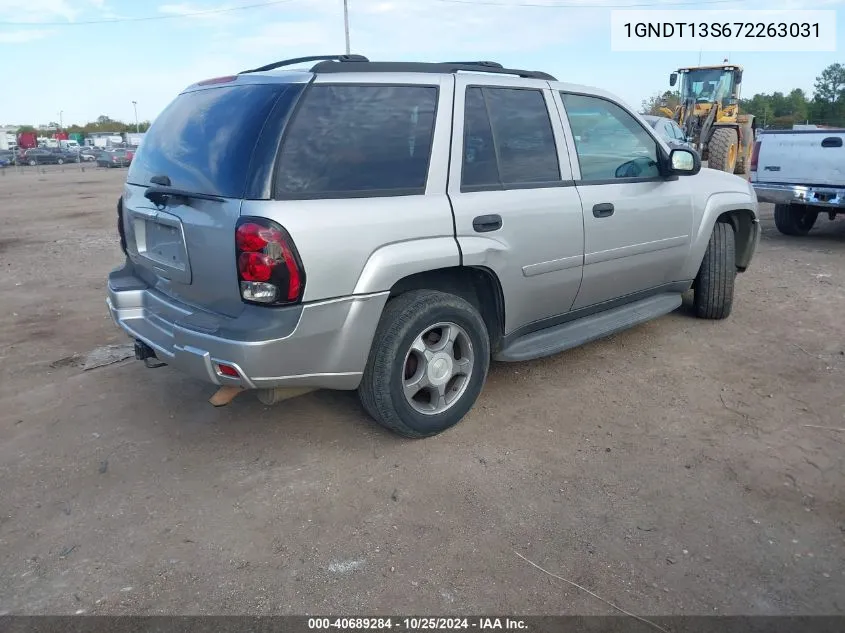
(186, 251)
(202, 144)
(801, 157)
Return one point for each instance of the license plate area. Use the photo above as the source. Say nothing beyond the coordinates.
(160, 243)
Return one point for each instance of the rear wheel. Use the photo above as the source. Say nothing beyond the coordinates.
(714, 286)
(794, 219)
(427, 365)
(722, 150)
(33, 162)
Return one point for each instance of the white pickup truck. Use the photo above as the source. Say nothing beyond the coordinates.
(803, 173)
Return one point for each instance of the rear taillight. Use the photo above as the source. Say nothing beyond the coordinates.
(269, 268)
(755, 155)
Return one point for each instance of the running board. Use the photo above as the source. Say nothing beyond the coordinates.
(571, 334)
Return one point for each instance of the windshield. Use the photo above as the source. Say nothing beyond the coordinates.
(707, 85)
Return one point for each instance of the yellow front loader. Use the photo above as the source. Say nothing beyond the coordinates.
(709, 115)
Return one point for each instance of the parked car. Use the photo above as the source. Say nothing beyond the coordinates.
(8, 155)
(800, 171)
(406, 224)
(88, 154)
(113, 158)
(41, 156)
(670, 131)
(65, 155)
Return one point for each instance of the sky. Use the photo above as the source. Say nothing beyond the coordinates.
(53, 59)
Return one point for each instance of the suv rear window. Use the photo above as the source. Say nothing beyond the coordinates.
(204, 140)
(349, 140)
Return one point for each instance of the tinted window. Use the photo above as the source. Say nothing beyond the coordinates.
(522, 135)
(346, 139)
(480, 165)
(203, 141)
(610, 142)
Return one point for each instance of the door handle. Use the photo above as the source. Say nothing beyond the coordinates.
(487, 223)
(603, 210)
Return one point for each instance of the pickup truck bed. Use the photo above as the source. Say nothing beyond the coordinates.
(803, 173)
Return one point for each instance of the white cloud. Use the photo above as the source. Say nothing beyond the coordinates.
(201, 12)
(37, 11)
(23, 35)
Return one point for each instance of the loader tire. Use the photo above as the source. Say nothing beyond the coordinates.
(722, 150)
(794, 219)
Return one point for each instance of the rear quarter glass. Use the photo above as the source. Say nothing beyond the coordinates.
(204, 140)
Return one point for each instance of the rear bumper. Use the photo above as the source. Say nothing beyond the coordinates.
(828, 197)
(323, 345)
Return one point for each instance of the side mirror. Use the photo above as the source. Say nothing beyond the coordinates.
(684, 162)
(673, 79)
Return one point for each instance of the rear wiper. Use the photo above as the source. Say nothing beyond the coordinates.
(159, 195)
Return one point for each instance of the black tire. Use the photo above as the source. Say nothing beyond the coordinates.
(403, 319)
(719, 148)
(794, 219)
(714, 286)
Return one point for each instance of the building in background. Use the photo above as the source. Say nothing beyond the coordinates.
(8, 137)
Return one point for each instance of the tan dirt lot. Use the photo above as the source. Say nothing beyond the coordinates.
(677, 468)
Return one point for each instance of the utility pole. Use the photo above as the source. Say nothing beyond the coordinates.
(135, 106)
(61, 112)
(346, 23)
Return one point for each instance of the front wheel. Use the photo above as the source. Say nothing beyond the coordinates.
(722, 150)
(60, 161)
(33, 162)
(794, 219)
(427, 365)
(714, 285)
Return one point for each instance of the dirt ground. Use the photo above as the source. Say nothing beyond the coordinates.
(682, 467)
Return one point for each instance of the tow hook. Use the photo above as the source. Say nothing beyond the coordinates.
(147, 354)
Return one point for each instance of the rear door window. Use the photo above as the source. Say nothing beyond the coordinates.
(204, 140)
(508, 139)
(353, 140)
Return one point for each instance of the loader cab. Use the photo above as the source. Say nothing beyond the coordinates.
(706, 85)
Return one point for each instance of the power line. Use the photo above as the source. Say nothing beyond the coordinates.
(587, 6)
(147, 18)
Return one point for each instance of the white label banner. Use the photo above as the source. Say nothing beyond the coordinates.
(728, 30)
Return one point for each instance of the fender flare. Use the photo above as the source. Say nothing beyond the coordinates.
(717, 205)
(388, 264)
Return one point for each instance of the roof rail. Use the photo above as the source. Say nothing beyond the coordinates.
(488, 64)
(301, 60)
(361, 66)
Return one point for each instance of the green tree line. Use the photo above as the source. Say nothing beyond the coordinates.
(826, 106)
(102, 124)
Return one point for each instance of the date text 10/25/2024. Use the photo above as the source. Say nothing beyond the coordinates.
(417, 624)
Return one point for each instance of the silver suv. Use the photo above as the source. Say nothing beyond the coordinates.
(391, 227)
